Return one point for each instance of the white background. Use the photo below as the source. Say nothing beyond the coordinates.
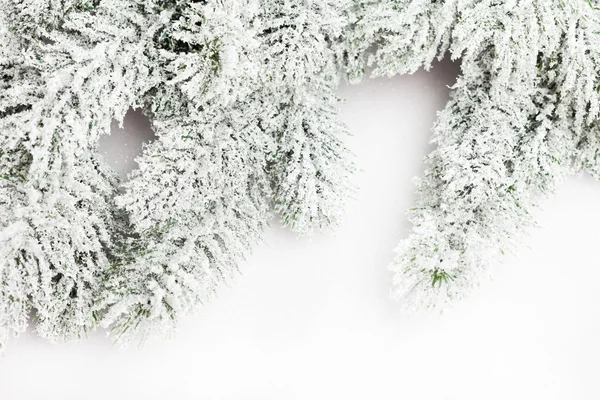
(310, 318)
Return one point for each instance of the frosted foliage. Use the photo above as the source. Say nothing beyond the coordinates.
(522, 116)
(241, 96)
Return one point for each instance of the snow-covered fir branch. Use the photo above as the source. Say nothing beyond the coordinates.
(523, 115)
(240, 95)
(311, 166)
(68, 69)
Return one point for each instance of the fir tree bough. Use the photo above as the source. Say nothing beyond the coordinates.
(245, 123)
(522, 116)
